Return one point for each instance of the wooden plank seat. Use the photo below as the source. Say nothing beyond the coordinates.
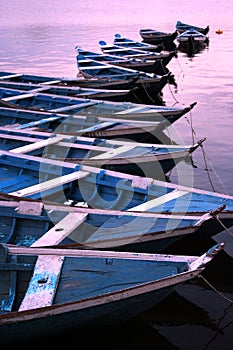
(43, 284)
(46, 185)
(114, 152)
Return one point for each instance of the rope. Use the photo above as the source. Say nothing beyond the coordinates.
(206, 167)
(221, 223)
(150, 98)
(212, 168)
(209, 167)
(215, 290)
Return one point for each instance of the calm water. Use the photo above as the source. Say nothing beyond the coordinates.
(40, 38)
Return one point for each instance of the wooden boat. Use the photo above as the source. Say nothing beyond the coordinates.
(88, 126)
(48, 291)
(191, 36)
(75, 91)
(157, 66)
(44, 224)
(192, 42)
(183, 27)
(139, 45)
(146, 83)
(57, 181)
(124, 156)
(120, 51)
(156, 37)
(93, 83)
(38, 101)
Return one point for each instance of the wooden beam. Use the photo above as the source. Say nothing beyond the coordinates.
(44, 282)
(37, 145)
(61, 230)
(46, 185)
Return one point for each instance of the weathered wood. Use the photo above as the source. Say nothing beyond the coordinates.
(16, 75)
(159, 201)
(46, 185)
(30, 208)
(98, 126)
(68, 108)
(43, 284)
(113, 152)
(61, 230)
(19, 97)
(37, 145)
(14, 250)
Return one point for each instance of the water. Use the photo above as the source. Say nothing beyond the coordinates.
(40, 38)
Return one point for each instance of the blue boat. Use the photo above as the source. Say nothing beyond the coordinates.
(91, 68)
(45, 224)
(132, 44)
(192, 42)
(119, 58)
(81, 125)
(37, 100)
(124, 156)
(48, 291)
(80, 82)
(182, 27)
(101, 188)
(119, 51)
(156, 37)
(192, 36)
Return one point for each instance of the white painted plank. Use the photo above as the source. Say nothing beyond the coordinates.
(37, 145)
(113, 152)
(46, 185)
(61, 230)
(43, 284)
(158, 201)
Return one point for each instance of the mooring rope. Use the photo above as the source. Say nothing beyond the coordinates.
(215, 290)
(222, 224)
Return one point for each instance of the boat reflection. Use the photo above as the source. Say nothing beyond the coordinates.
(192, 48)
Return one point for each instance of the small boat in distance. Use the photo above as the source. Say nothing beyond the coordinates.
(182, 27)
(192, 42)
(192, 36)
(118, 58)
(119, 51)
(132, 44)
(156, 37)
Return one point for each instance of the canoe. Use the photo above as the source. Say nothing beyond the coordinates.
(144, 90)
(182, 27)
(123, 156)
(157, 65)
(80, 81)
(120, 51)
(88, 126)
(73, 91)
(100, 89)
(90, 68)
(26, 222)
(192, 36)
(39, 101)
(48, 291)
(155, 37)
(62, 182)
(132, 44)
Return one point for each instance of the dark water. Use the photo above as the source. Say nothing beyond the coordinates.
(40, 38)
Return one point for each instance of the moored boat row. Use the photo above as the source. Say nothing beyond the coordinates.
(92, 233)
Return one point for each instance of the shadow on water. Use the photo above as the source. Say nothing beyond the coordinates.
(191, 48)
